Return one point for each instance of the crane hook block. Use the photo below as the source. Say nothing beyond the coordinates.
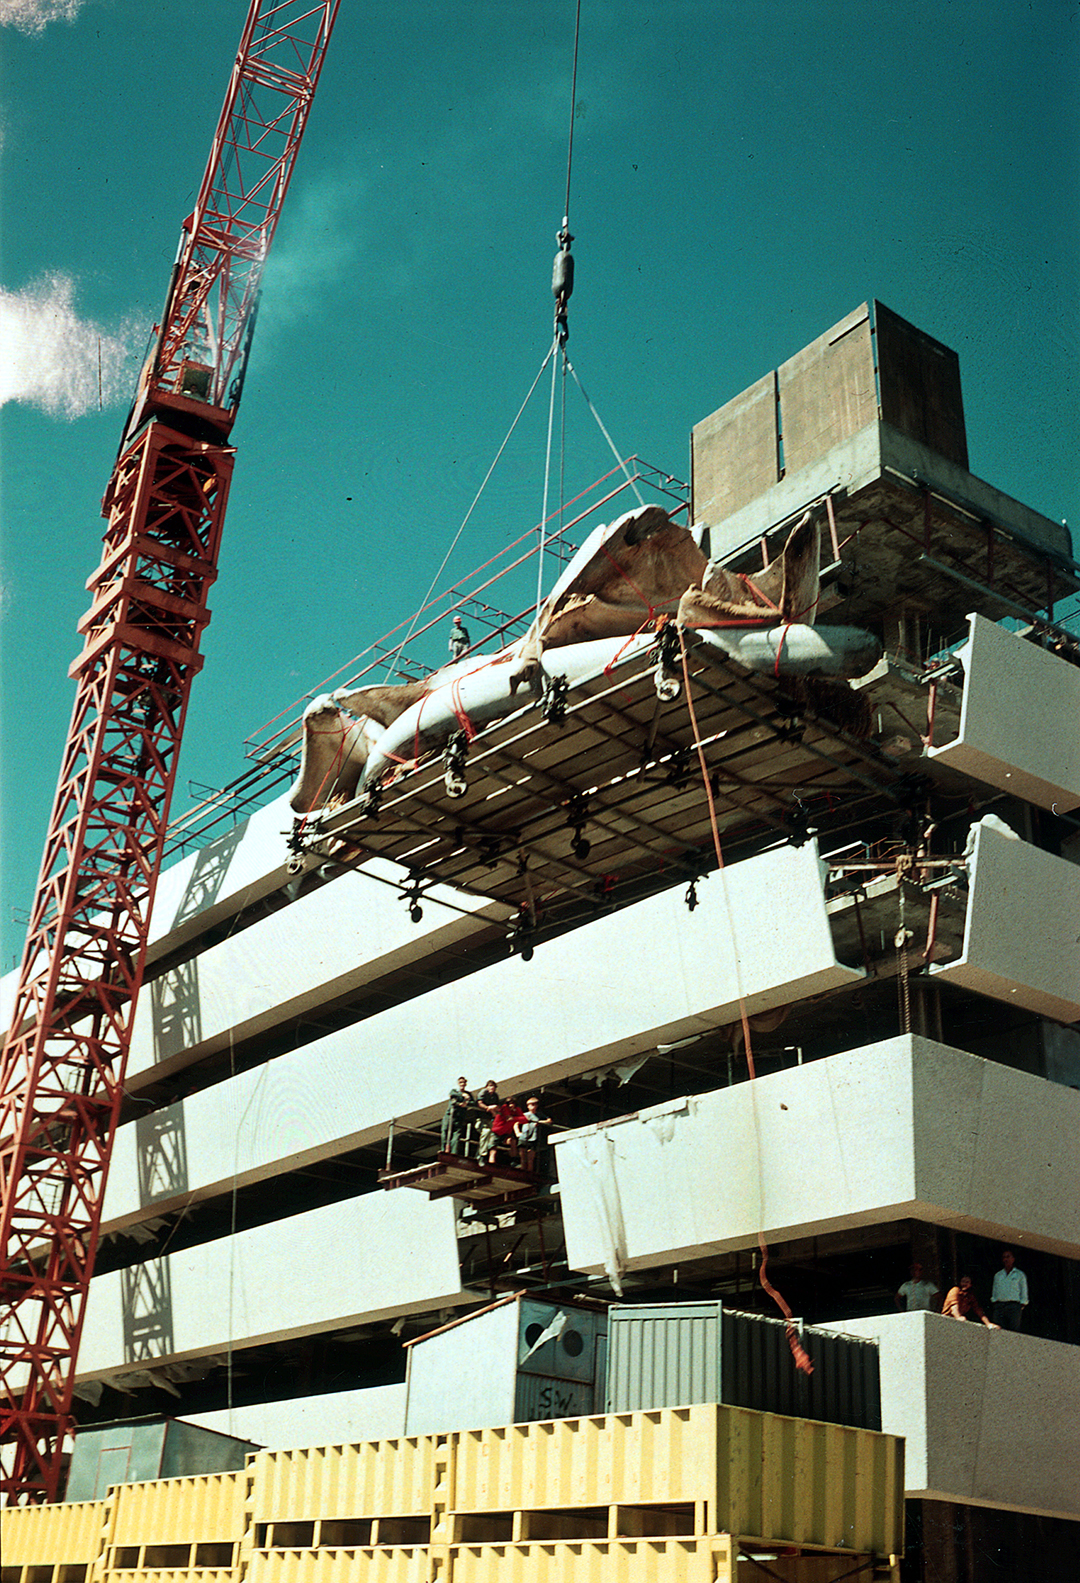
(562, 274)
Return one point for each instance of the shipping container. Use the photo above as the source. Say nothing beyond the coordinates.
(127, 1451)
(676, 1354)
(701, 1494)
(517, 1361)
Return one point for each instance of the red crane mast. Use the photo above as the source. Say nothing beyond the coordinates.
(62, 1075)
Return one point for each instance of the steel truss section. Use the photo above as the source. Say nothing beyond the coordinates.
(63, 1068)
(212, 297)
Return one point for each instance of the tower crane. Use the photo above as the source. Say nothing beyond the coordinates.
(62, 1075)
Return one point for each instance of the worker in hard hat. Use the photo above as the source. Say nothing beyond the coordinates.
(460, 642)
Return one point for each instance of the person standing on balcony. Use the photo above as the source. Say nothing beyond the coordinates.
(460, 642)
(487, 1102)
(457, 1116)
(916, 1294)
(532, 1133)
(504, 1129)
(1009, 1296)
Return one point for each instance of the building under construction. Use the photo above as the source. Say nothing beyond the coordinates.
(792, 967)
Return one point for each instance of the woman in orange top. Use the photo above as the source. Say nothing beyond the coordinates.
(960, 1301)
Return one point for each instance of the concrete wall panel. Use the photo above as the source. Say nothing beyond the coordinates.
(1021, 942)
(919, 381)
(991, 1417)
(613, 989)
(325, 944)
(363, 1259)
(1018, 720)
(827, 391)
(859, 460)
(234, 869)
(906, 1128)
(734, 453)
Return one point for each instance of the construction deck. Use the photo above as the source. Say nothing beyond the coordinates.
(473, 1181)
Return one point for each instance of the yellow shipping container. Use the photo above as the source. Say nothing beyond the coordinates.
(684, 1493)
(58, 1535)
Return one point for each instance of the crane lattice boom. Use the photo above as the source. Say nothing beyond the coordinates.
(226, 239)
(63, 1066)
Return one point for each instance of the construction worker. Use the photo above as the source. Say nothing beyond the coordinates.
(531, 1132)
(460, 642)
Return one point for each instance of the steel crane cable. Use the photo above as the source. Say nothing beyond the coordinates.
(542, 540)
(600, 424)
(573, 101)
(476, 500)
(568, 368)
(562, 285)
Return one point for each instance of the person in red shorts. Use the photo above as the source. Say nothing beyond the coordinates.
(504, 1124)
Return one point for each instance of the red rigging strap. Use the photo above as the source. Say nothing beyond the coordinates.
(801, 1357)
(650, 620)
(780, 646)
(649, 607)
(748, 582)
(457, 703)
(61, 1082)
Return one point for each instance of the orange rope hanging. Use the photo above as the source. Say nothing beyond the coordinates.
(802, 1358)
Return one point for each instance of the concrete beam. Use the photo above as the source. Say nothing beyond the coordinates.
(350, 1263)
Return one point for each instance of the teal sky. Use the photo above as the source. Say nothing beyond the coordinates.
(745, 172)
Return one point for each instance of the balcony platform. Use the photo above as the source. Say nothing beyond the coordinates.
(474, 1181)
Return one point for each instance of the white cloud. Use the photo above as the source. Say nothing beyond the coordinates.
(52, 359)
(34, 16)
(326, 227)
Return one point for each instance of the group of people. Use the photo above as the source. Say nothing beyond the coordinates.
(1008, 1298)
(504, 1128)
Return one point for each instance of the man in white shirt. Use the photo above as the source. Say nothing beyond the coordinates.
(1009, 1297)
(916, 1294)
